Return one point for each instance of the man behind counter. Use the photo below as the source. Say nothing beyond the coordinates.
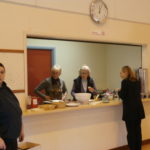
(53, 86)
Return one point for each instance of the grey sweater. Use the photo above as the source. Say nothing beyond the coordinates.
(52, 88)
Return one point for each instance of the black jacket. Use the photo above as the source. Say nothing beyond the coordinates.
(132, 104)
(10, 114)
(78, 84)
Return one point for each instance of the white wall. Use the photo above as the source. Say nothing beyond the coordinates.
(118, 56)
(11, 61)
(131, 10)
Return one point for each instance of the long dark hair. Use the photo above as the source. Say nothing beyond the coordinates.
(1, 65)
(131, 73)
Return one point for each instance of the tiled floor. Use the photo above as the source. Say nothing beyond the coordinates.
(146, 147)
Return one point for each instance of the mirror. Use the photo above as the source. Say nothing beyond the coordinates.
(104, 59)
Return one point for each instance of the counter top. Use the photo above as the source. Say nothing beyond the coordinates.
(91, 105)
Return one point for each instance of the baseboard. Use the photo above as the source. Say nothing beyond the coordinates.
(125, 147)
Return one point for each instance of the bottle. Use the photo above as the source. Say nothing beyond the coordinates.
(34, 102)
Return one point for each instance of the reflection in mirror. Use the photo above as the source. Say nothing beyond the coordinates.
(104, 59)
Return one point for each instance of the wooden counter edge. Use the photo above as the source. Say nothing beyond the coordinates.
(81, 107)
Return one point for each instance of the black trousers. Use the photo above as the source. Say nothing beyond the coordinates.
(134, 135)
(11, 144)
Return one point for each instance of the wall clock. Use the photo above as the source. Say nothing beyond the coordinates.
(98, 11)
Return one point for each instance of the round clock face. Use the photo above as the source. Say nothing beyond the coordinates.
(99, 11)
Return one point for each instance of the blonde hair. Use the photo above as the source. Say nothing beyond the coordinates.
(130, 72)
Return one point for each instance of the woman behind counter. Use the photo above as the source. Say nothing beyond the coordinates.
(53, 86)
(84, 83)
(10, 116)
(133, 111)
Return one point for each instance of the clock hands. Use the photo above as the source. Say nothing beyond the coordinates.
(100, 7)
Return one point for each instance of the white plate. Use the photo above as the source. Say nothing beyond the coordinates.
(72, 104)
(91, 100)
(57, 101)
(47, 102)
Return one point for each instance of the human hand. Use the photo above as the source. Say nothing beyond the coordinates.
(117, 90)
(47, 98)
(21, 137)
(64, 96)
(2, 144)
(91, 89)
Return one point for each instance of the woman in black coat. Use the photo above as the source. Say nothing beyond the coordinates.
(10, 116)
(133, 111)
(84, 83)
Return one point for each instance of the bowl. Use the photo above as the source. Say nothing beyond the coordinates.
(59, 103)
(83, 98)
(47, 106)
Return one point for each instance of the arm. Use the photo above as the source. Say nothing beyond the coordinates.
(2, 143)
(40, 87)
(123, 91)
(93, 89)
(73, 91)
(64, 91)
(21, 137)
(94, 86)
(64, 96)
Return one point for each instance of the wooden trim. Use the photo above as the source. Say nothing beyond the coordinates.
(19, 91)
(146, 142)
(11, 51)
(125, 147)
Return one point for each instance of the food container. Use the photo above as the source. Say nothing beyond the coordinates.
(59, 103)
(83, 98)
(34, 102)
(47, 106)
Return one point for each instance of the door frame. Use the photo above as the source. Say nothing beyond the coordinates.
(52, 49)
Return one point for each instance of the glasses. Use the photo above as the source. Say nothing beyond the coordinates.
(84, 73)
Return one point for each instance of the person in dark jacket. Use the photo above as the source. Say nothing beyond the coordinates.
(133, 111)
(54, 87)
(84, 83)
(10, 116)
